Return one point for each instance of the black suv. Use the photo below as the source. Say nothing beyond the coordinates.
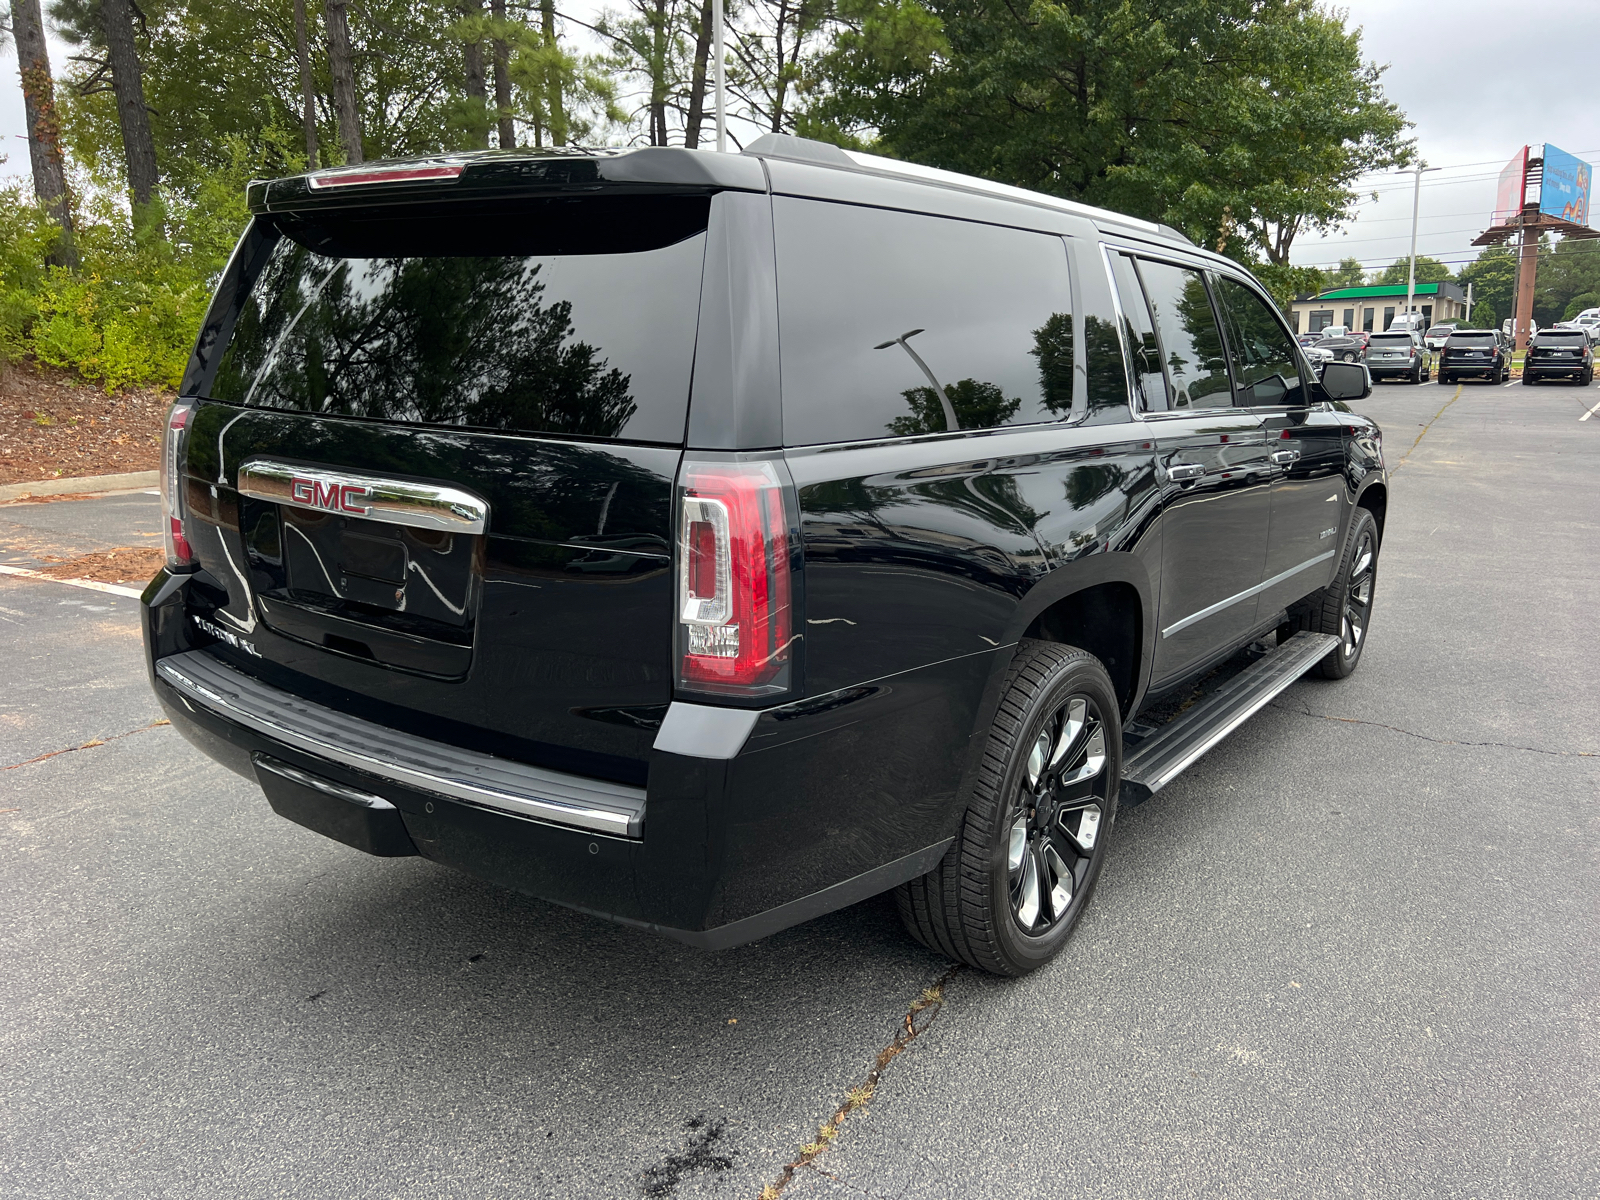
(1559, 354)
(1481, 352)
(709, 541)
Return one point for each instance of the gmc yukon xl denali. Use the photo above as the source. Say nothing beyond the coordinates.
(710, 541)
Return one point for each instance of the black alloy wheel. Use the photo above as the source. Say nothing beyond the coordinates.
(1033, 840)
(1344, 607)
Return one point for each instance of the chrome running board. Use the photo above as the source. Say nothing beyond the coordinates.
(596, 805)
(1170, 750)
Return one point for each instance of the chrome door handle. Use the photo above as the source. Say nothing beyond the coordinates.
(1185, 471)
(1285, 457)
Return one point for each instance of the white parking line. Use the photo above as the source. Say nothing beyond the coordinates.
(91, 584)
(1590, 413)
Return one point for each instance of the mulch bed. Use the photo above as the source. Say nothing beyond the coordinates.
(53, 425)
(133, 565)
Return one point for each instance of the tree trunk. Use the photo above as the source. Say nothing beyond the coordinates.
(477, 87)
(44, 132)
(554, 100)
(344, 80)
(697, 79)
(502, 79)
(127, 81)
(308, 93)
(658, 75)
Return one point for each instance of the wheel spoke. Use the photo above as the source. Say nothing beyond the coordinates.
(1094, 757)
(1081, 825)
(1028, 892)
(1072, 723)
(1362, 563)
(1019, 844)
(1038, 757)
(1061, 882)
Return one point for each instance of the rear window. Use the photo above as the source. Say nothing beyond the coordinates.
(895, 324)
(1472, 339)
(1440, 331)
(1391, 340)
(1574, 338)
(575, 319)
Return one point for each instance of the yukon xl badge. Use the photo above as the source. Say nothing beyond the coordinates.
(223, 635)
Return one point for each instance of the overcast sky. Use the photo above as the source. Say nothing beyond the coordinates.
(1477, 79)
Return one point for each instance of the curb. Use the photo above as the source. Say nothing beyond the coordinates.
(84, 484)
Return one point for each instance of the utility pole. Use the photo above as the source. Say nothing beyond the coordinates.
(1416, 208)
(1468, 317)
(719, 74)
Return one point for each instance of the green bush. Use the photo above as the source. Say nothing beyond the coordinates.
(129, 314)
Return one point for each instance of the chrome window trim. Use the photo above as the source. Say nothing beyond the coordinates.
(1213, 609)
(483, 780)
(371, 497)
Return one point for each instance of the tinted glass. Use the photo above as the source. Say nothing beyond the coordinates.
(1472, 339)
(1440, 330)
(595, 345)
(1574, 338)
(1191, 346)
(1149, 381)
(1392, 341)
(878, 309)
(1265, 362)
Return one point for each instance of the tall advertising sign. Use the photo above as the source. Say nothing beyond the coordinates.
(1513, 189)
(1565, 190)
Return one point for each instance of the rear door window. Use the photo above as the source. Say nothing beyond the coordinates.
(468, 319)
(894, 324)
(1191, 344)
(1266, 365)
(1139, 329)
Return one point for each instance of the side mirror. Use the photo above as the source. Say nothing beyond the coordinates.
(1346, 381)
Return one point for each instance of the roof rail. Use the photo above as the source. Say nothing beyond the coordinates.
(809, 150)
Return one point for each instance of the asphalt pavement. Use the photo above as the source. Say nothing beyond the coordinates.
(1352, 952)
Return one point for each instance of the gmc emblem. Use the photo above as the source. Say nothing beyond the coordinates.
(335, 497)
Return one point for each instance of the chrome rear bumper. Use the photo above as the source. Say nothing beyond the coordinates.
(522, 790)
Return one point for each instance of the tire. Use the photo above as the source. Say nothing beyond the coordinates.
(1446, 379)
(1058, 718)
(1416, 374)
(1527, 379)
(1344, 607)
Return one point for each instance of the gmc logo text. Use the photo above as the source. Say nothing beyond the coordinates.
(335, 497)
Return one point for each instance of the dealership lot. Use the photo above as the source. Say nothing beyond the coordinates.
(1351, 952)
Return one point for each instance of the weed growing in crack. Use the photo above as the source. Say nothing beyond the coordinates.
(924, 1010)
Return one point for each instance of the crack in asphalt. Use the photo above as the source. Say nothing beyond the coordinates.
(1427, 427)
(924, 1010)
(1306, 712)
(89, 745)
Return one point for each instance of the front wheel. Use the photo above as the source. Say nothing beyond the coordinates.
(1344, 607)
(1033, 838)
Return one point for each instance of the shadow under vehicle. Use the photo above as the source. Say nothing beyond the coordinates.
(711, 541)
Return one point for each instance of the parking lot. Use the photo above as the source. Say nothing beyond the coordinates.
(1352, 952)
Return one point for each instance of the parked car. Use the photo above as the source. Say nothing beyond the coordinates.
(1344, 347)
(1480, 353)
(1402, 355)
(710, 541)
(1559, 354)
(1508, 327)
(1434, 339)
(1308, 339)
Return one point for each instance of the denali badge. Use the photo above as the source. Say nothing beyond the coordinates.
(325, 493)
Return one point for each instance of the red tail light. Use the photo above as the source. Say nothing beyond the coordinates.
(735, 591)
(179, 556)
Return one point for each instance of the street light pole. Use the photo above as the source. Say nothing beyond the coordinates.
(718, 74)
(1416, 208)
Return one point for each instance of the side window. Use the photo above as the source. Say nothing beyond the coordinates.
(1149, 381)
(896, 324)
(1191, 345)
(1264, 359)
